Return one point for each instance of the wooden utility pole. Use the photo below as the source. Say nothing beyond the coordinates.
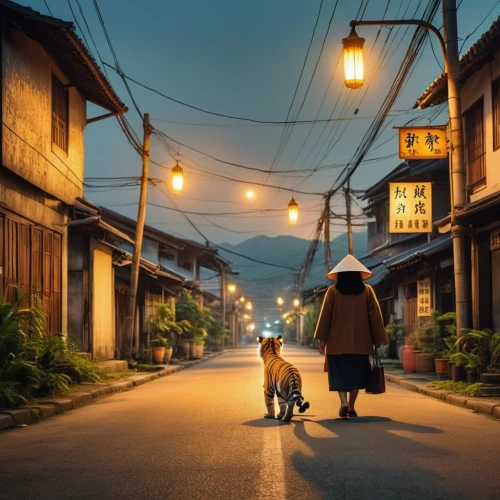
(326, 227)
(139, 232)
(348, 215)
(223, 300)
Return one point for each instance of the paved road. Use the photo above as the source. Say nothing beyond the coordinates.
(200, 434)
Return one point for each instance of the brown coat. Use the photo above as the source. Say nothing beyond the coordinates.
(350, 324)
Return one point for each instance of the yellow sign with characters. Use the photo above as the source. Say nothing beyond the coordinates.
(410, 207)
(424, 297)
(422, 143)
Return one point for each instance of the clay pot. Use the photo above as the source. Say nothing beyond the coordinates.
(441, 365)
(168, 355)
(199, 350)
(425, 363)
(158, 354)
(409, 358)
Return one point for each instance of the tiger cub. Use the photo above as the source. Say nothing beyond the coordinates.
(281, 379)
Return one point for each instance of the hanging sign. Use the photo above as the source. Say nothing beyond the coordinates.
(410, 207)
(495, 240)
(424, 297)
(422, 143)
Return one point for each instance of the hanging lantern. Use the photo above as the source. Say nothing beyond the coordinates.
(353, 60)
(293, 212)
(280, 302)
(177, 178)
(296, 303)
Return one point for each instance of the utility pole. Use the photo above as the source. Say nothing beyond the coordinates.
(223, 300)
(139, 232)
(328, 251)
(459, 234)
(348, 215)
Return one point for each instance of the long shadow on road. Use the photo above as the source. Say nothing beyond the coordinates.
(366, 458)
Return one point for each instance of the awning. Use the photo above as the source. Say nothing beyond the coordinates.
(419, 253)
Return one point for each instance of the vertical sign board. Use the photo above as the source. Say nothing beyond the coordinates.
(424, 301)
(422, 143)
(410, 207)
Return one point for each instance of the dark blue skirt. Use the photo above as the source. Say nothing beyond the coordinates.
(347, 372)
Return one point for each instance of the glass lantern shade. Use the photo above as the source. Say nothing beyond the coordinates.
(177, 179)
(353, 60)
(293, 212)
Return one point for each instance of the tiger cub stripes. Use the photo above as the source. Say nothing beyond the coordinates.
(281, 379)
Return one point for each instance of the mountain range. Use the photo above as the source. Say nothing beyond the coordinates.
(262, 284)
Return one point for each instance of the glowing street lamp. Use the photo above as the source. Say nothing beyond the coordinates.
(296, 303)
(353, 60)
(251, 327)
(231, 288)
(177, 178)
(242, 299)
(280, 302)
(293, 212)
(249, 306)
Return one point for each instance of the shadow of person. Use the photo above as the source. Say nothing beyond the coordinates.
(372, 457)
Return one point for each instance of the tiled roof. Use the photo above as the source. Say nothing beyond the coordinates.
(60, 40)
(473, 59)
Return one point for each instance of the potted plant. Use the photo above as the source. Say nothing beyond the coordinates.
(479, 352)
(165, 329)
(159, 346)
(408, 354)
(394, 332)
(442, 361)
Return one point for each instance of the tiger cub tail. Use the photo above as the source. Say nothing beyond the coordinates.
(303, 405)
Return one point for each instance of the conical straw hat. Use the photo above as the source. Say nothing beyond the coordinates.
(349, 263)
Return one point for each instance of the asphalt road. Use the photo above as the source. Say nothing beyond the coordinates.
(200, 433)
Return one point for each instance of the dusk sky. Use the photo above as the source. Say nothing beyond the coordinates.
(244, 59)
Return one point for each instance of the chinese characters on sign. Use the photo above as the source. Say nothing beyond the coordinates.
(410, 207)
(494, 240)
(424, 303)
(422, 143)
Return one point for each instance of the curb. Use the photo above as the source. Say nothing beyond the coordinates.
(478, 405)
(41, 409)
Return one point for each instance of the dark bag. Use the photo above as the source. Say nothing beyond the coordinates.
(376, 384)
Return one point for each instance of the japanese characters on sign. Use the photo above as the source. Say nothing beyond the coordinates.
(422, 143)
(410, 207)
(495, 240)
(424, 302)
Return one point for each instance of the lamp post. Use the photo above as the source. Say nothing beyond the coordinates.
(459, 234)
(231, 288)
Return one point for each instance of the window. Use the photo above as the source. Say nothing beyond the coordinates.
(60, 115)
(474, 140)
(495, 97)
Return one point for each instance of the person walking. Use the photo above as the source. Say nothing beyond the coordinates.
(350, 324)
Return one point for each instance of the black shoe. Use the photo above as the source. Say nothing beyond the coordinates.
(344, 412)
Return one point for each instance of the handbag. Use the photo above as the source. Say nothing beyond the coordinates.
(376, 383)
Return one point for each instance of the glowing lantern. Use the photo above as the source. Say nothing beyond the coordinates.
(296, 303)
(177, 178)
(280, 302)
(231, 288)
(353, 60)
(293, 212)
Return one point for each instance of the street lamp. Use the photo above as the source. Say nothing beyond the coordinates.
(353, 60)
(177, 178)
(249, 306)
(242, 299)
(293, 212)
(280, 302)
(296, 303)
(458, 193)
(231, 288)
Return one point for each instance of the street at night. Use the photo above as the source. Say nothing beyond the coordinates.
(200, 433)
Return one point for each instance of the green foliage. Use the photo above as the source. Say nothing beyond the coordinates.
(163, 322)
(33, 362)
(310, 320)
(478, 349)
(437, 336)
(459, 387)
(394, 331)
(199, 318)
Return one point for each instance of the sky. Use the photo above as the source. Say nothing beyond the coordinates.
(244, 58)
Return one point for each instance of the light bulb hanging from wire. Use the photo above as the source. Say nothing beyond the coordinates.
(177, 178)
(353, 60)
(293, 212)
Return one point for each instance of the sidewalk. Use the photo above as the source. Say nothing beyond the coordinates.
(422, 383)
(47, 407)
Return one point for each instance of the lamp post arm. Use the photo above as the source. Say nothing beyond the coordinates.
(404, 22)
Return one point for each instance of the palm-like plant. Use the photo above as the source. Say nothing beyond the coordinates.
(163, 322)
(479, 349)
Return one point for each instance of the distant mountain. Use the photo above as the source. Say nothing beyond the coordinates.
(262, 283)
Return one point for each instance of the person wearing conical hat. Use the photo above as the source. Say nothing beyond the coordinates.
(350, 324)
